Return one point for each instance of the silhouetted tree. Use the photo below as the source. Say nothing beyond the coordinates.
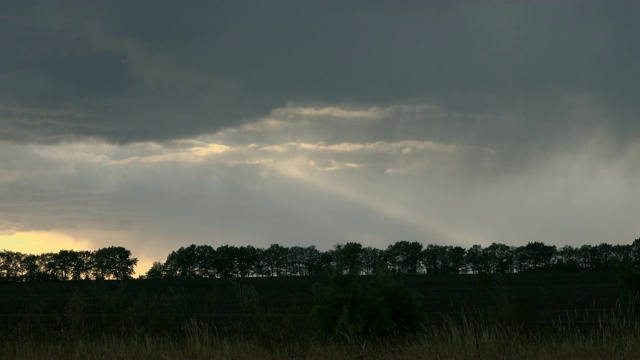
(635, 253)
(311, 261)
(82, 265)
(476, 260)
(455, 260)
(114, 262)
(326, 262)
(622, 253)
(535, 256)
(206, 261)
(47, 265)
(295, 261)
(70, 264)
(433, 259)
(156, 271)
(568, 260)
(31, 270)
(500, 258)
(10, 265)
(260, 267)
(404, 257)
(438, 259)
(372, 259)
(227, 261)
(275, 260)
(601, 255)
(348, 256)
(584, 257)
(246, 258)
(183, 263)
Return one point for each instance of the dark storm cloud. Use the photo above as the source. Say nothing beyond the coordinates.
(129, 71)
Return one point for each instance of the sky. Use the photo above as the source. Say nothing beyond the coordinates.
(156, 125)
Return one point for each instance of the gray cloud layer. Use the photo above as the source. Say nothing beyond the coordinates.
(135, 71)
(276, 181)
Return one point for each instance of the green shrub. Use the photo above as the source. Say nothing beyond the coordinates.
(347, 308)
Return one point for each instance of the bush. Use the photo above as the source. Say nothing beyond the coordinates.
(628, 279)
(347, 308)
(280, 334)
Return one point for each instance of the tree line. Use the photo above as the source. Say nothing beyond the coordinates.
(114, 262)
(401, 258)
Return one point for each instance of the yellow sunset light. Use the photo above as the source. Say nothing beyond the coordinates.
(38, 242)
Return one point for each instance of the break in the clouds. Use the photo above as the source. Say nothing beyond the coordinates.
(160, 124)
(274, 181)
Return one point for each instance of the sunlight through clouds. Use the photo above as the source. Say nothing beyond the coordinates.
(232, 186)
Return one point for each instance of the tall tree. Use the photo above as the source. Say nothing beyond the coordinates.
(601, 256)
(622, 253)
(372, 259)
(275, 260)
(635, 253)
(66, 262)
(246, 259)
(584, 257)
(10, 264)
(326, 262)
(206, 261)
(404, 257)
(311, 261)
(535, 256)
(82, 265)
(434, 259)
(295, 262)
(227, 261)
(47, 265)
(500, 258)
(114, 262)
(349, 256)
(456, 262)
(31, 270)
(568, 259)
(183, 263)
(156, 271)
(476, 260)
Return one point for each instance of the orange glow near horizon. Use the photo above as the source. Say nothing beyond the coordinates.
(39, 242)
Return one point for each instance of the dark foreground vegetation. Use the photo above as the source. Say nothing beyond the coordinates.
(513, 316)
(538, 313)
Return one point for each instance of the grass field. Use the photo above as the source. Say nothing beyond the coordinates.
(535, 316)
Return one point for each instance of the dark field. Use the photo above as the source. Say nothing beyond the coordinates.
(531, 298)
(534, 316)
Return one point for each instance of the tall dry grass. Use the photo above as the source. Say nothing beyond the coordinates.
(611, 335)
